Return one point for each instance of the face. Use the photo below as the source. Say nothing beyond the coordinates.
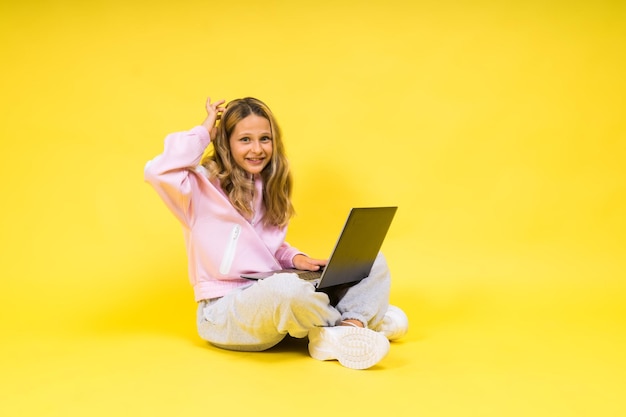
(251, 143)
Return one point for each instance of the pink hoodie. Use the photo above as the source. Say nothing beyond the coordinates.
(221, 243)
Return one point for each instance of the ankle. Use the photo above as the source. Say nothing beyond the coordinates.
(351, 322)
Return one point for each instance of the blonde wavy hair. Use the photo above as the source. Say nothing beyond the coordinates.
(235, 181)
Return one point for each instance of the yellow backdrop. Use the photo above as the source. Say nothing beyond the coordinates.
(498, 128)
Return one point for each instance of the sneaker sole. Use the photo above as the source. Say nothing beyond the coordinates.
(355, 348)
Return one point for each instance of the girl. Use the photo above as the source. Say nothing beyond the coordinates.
(233, 200)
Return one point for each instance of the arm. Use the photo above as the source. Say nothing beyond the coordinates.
(170, 172)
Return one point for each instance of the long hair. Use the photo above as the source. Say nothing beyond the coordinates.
(235, 181)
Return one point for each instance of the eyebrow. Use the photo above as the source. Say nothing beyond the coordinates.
(267, 133)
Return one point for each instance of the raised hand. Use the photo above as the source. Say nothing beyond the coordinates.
(214, 112)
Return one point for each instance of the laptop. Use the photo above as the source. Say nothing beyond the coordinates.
(355, 251)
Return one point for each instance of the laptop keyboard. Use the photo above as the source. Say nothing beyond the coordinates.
(309, 275)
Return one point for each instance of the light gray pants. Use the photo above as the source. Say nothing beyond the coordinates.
(258, 317)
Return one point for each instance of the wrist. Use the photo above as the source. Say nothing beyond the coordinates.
(294, 260)
(207, 124)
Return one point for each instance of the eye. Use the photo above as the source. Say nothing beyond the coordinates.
(266, 139)
(244, 139)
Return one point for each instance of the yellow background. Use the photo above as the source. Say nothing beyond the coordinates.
(498, 128)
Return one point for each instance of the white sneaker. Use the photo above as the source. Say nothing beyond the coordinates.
(395, 324)
(353, 347)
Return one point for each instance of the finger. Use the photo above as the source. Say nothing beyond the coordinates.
(312, 267)
(316, 264)
(218, 105)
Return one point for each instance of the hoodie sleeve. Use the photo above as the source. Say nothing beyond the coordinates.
(172, 173)
(285, 255)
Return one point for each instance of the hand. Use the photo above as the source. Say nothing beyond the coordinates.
(305, 263)
(214, 113)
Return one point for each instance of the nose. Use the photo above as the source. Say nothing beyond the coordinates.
(256, 146)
